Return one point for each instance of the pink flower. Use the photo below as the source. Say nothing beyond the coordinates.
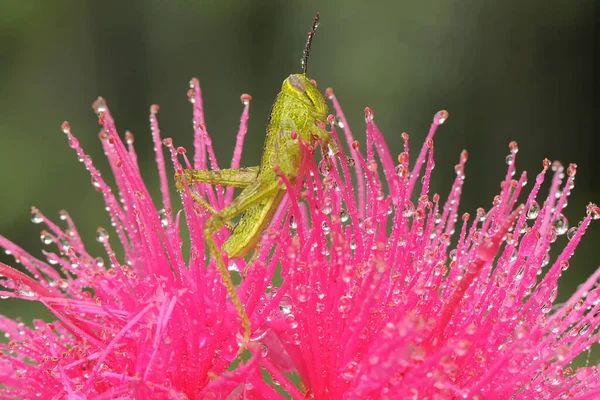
(378, 300)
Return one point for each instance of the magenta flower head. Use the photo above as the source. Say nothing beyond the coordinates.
(386, 293)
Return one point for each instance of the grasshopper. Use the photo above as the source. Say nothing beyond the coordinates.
(299, 108)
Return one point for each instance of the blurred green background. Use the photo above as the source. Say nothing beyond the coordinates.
(505, 70)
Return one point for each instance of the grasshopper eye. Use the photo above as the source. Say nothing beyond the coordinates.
(297, 84)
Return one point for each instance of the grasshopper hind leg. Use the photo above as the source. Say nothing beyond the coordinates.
(250, 196)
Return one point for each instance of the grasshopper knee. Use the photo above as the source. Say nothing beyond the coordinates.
(213, 224)
(179, 181)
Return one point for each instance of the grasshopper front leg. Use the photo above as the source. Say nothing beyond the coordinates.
(240, 177)
(253, 195)
(328, 145)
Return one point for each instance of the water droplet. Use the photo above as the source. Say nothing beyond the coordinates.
(285, 305)
(509, 159)
(344, 304)
(561, 224)
(593, 211)
(290, 320)
(399, 170)
(584, 329)
(368, 225)
(325, 227)
(556, 377)
(191, 96)
(36, 217)
(409, 209)
(452, 255)
(164, 217)
(534, 210)
(327, 206)
(344, 215)
(101, 235)
(66, 127)
(24, 290)
(571, 233)
(349, 371)
(73, 142)
(95, 183)
(233, 267)
(324, 167)
(63, 215)
(293, 223)
(440, 117)
(520, 273)
(461, 347)
(129, 137)
(368, 115)
(302, 293)
(497, 201)
(46, 238)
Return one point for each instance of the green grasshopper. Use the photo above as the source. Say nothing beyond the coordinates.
(299, 107)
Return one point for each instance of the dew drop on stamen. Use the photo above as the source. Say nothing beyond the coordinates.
(593, 211)
(129, 137)
(232, 267)
(561, 224)
(191, 95)
(102, 235)
(399, 170)
(584, 329)
(36, 217)
(164, 217)
(63, 215)
(349, 371)
(24, 290)
(73, 142)
(571, 233)
(344, 304)
(95, 183)
(440, 117)
(368, 115)
(302, 293)
(534, 210)
(344, 215)
(409, 209)
(324, 167)
(46, 238)
(66, 127)
(452, 255)
(368, 226)
(293, 224)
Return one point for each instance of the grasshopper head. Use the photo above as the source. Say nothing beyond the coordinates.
(301, 89)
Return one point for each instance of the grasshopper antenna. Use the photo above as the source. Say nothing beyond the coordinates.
(311, 35)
